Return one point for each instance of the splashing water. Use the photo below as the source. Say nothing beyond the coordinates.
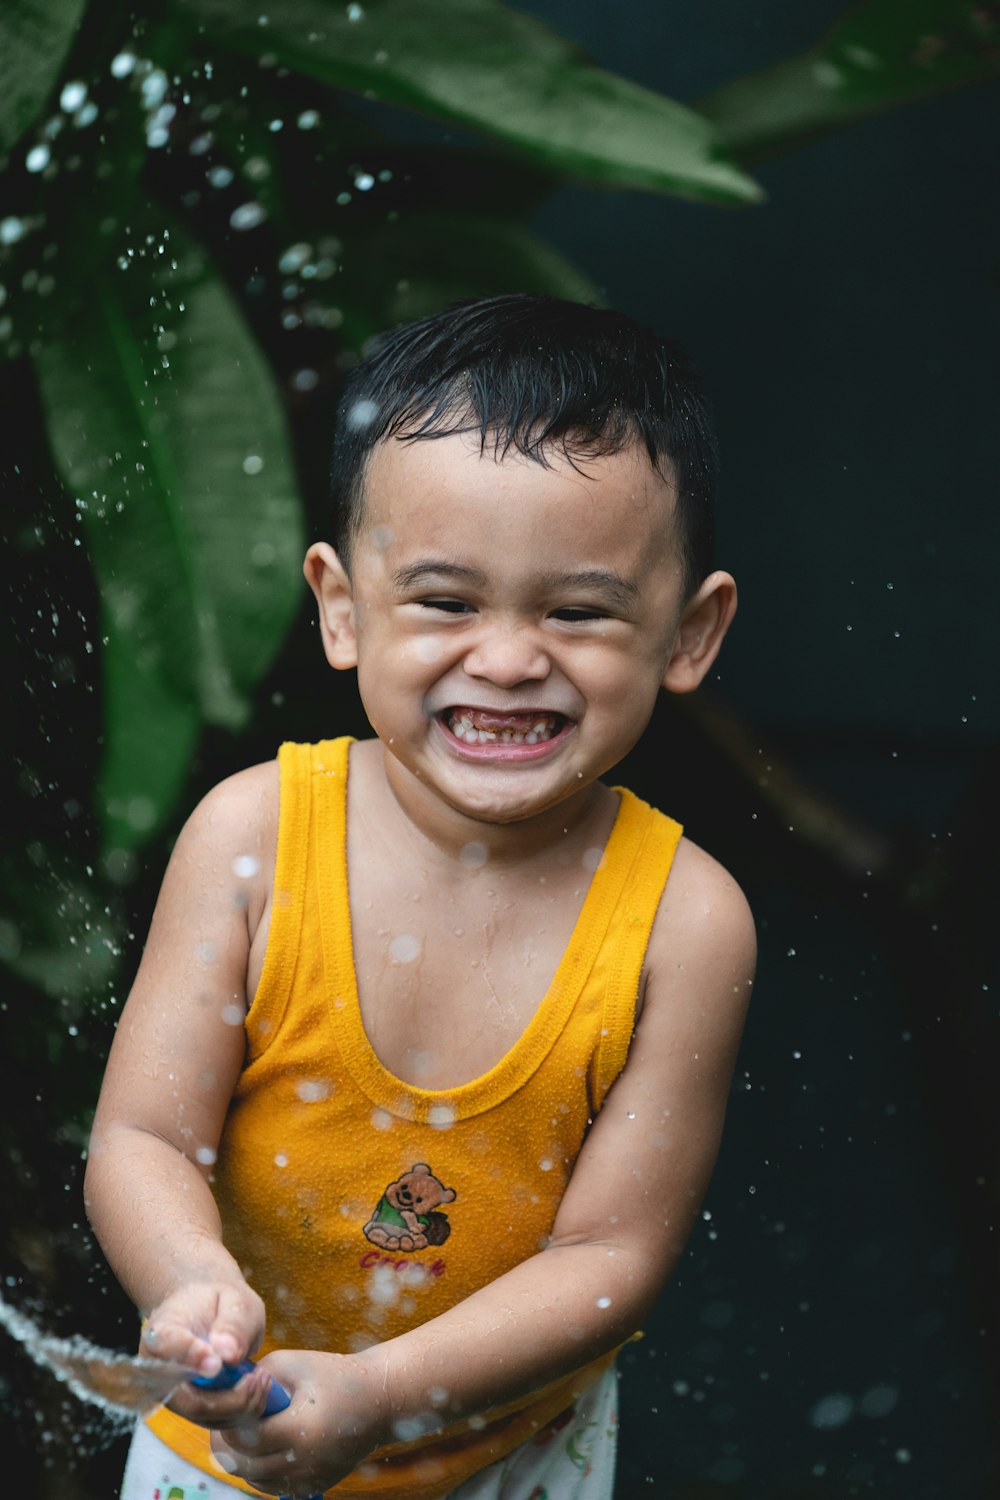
(69, 1359)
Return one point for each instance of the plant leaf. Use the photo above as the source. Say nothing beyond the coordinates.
(151, 736)
(35, 38)
(166, 426)
(878, 55)
(56, 931)
(478, 64)
(416, 264)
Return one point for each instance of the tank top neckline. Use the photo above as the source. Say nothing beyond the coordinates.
(390, 1095)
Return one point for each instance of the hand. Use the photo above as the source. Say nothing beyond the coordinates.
(204, 1325)
(336, 1418)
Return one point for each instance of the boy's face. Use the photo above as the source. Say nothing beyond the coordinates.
(512, 624)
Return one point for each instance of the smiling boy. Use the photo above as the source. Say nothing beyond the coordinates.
(444, 968)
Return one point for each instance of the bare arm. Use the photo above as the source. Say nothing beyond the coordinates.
(170, 1075)
(622, 1225)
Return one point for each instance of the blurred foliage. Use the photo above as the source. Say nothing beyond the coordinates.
(202, 225)
(183, 187)
(878, 54)
(202, 221)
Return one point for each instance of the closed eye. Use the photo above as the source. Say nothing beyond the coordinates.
(447, 606)
(572, 614)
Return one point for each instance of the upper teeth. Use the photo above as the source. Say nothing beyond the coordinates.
(462, 728)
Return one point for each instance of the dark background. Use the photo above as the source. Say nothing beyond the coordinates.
(832, 1330)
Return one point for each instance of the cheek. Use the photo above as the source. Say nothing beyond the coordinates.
(426, 649)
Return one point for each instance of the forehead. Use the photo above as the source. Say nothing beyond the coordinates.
(448, 491)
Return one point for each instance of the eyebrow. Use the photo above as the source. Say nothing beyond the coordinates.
(425, 570)
(599, 580)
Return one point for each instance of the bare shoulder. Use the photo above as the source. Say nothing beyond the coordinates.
(239, 812)
(704, 941)
(242, 801)
(229, 841)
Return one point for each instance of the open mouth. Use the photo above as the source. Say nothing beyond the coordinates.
(478, 726)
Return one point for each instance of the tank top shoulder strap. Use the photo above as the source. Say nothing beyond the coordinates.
(648, 841)
(300, 768)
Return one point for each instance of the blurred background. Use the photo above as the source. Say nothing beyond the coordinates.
(205, 212)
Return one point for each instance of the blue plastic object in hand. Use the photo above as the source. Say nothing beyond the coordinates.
(277, 1397)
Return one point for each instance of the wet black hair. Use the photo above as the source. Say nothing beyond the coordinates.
(532, 373)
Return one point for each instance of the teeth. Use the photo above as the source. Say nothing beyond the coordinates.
(463, 728)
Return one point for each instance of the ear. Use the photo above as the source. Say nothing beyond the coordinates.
(327, 577)
(704, 622)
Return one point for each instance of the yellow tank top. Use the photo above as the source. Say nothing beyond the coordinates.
(360, 1206)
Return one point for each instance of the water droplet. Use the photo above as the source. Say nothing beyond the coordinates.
(305, 380)
(232, 1014)
(141, 813)
(592, 859)
(72, 96)
(246, 866)
(154, 88)
(832, 1411)
(364, 182)
(205, 1155)
(383, 1287)
(603, 1302)
(381, 1119)
(826, 75)
(308, 119)
(253, 463)
(361, 414)
(281, 1160)
(38, 158)
(122, 64)
(404, 948)
(313, 1090)
(441, 1116)
(382, 536)
(427, 648)
(879, 1401)
(546, 1164)
(12, 230)
(354, 12)
(247, 216)
(474, 855)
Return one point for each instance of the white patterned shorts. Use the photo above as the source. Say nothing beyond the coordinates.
(573, 1458)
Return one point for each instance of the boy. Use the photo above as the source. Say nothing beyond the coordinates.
(424, 1070)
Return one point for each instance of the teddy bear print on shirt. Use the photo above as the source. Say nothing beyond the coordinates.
(407, 1217)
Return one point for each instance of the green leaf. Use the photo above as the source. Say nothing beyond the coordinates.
(478, 64)
(878, 55)
(35, 38)
(167, 428)
(55, 930)
(417, 263)
(149, 744)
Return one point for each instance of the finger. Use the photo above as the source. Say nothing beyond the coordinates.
(170, 1339)
(229, 1408)
(238, 1325)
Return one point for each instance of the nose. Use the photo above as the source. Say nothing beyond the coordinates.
(507, 655)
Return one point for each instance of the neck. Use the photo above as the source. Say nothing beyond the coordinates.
(405, 806)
